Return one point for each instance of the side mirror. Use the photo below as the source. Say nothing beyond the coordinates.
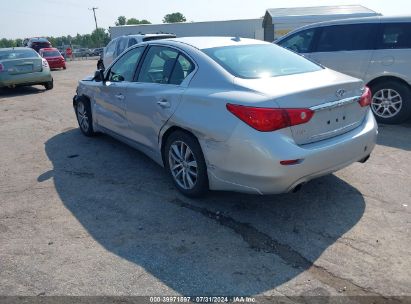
(99, 76)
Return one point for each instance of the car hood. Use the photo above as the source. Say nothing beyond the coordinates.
(88, 78)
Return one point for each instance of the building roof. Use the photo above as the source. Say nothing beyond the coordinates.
(319, 11)
(206, 42)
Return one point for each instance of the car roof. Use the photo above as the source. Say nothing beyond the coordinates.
(21, 48)
(149, 35)
(358, 20)
(205, 42)
(38, 39)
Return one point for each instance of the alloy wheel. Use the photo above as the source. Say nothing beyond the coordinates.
(82, 117)
(183, 165)
(386, 103)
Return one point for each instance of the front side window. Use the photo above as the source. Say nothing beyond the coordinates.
(395, 36)
(350, 37)
(299, 42)
(260, 61)
(124, 68)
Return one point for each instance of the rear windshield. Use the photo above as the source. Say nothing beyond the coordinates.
(260, 61)
(51, 54)
(17, 54)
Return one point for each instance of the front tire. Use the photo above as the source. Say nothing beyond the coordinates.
(84, 116)
(184, 162)
(391, 102)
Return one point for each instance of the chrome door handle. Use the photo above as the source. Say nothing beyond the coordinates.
(120, 96)
(163, 103)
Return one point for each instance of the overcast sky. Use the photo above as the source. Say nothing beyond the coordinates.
(27, 18)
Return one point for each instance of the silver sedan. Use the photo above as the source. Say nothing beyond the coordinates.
(230, 114)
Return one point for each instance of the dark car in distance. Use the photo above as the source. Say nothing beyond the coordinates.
(38, 43)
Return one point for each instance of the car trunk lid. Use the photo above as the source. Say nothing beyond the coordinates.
(333, 97)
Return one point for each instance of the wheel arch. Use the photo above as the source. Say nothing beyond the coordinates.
(167, 134)
(385, 78)
(81, 96)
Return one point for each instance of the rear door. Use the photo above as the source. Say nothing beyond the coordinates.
(156, 94)
(346, 48)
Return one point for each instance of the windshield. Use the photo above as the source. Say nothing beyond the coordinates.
(17, 54)
(260, 61)
(51, 54)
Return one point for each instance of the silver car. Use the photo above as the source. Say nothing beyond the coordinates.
(230, 114)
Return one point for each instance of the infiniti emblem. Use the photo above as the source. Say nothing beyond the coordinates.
(340, 93)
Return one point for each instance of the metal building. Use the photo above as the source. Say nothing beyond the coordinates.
(247, 28)
(279, 21)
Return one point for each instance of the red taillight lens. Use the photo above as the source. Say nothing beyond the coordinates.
(269, 119)
(1, 68)
(366, 98)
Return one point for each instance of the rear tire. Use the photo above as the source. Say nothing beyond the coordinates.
(184, 162)
(391, 102)
(49, 85)
(84, 116)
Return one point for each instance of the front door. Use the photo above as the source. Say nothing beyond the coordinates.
(110, 107)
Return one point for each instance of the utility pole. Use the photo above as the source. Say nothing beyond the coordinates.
(94, 12)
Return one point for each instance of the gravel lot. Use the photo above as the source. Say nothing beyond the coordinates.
(81, 216)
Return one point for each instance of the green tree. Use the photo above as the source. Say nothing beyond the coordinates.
(132, 21)
(99, 37)
(174, 18)
(121, 20)
(136, 21)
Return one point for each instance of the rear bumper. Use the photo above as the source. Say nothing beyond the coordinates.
(250, 160)
(57, 65)
(25, 79)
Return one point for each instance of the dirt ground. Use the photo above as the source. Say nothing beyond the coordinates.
(92, 216)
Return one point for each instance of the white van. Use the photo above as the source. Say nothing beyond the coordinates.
(375, 49)
(119, 44)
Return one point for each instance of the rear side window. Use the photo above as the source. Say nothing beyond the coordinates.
(17, 54)
(121, 46)
(300, 42)
(350, 37)
(110, 48)
(131, 42)
(395, 36)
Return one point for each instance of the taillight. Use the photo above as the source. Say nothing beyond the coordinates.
(270, 119)
(1, 68)
(45, 64)
(366, 98)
